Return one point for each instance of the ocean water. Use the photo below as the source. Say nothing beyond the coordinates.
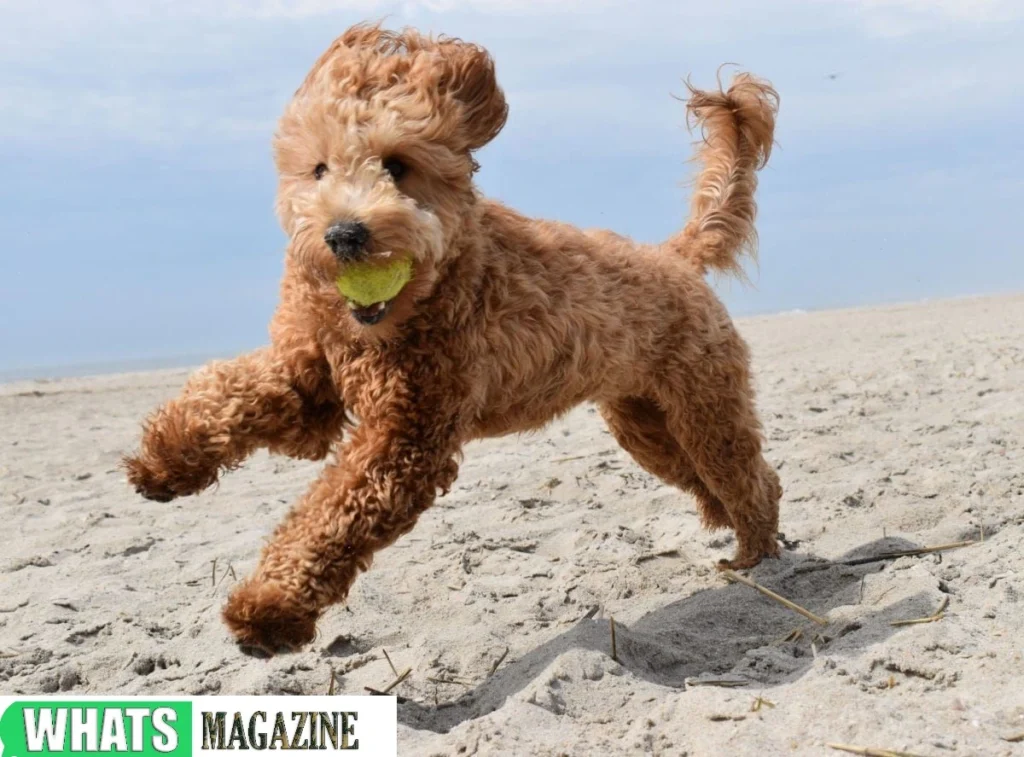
(74, 370)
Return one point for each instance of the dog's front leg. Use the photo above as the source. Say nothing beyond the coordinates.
(269, 398)
(388, 473)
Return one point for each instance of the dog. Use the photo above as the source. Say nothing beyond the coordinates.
(506, 323)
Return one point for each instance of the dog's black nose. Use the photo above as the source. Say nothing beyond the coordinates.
(347, 239)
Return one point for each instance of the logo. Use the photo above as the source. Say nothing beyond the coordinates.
(182, 727)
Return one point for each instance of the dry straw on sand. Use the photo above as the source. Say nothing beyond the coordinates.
(731, 575)
(870, 751)
(939, 614)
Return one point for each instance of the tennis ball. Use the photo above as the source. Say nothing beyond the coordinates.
(367, 283)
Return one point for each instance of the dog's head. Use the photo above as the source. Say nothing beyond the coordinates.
(374, 155)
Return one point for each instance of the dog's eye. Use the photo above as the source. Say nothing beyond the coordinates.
(395, 167)
(319, 171)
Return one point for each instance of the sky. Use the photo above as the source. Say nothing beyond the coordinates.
(136, 179)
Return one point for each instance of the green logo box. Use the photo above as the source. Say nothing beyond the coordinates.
(82, 727)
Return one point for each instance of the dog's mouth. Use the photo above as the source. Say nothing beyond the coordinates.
(370, 314)
(371, 287)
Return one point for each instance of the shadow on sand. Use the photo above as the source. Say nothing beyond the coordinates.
(728, 630)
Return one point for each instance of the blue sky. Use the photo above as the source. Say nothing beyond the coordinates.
(136, 181)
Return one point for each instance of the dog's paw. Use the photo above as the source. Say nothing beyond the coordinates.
(150, 483)
(739, 563)
(162, 476)
(263, 618)
(746, 558)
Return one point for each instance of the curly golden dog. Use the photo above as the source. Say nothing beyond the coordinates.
(506, 323)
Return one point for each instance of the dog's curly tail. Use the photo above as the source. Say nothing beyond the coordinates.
(737, 125)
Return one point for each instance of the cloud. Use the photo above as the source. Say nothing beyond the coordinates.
(982, 11)
(167, 118)
(303, 9)
(971, 11)
(169, 72)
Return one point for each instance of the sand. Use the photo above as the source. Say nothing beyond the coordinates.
(892, 428)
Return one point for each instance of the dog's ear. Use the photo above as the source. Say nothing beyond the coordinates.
(470, 81)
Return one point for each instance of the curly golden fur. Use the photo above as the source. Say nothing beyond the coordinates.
(507, 323)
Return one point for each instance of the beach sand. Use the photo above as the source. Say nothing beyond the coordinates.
(892, 428)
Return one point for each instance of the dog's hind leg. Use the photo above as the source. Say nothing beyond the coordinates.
(639, 426)
(710, 412)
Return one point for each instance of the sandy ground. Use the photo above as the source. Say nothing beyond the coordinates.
(892, 428)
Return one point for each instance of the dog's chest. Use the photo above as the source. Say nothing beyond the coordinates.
(381, 379)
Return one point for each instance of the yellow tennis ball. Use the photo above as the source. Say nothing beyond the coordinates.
(367, 283)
